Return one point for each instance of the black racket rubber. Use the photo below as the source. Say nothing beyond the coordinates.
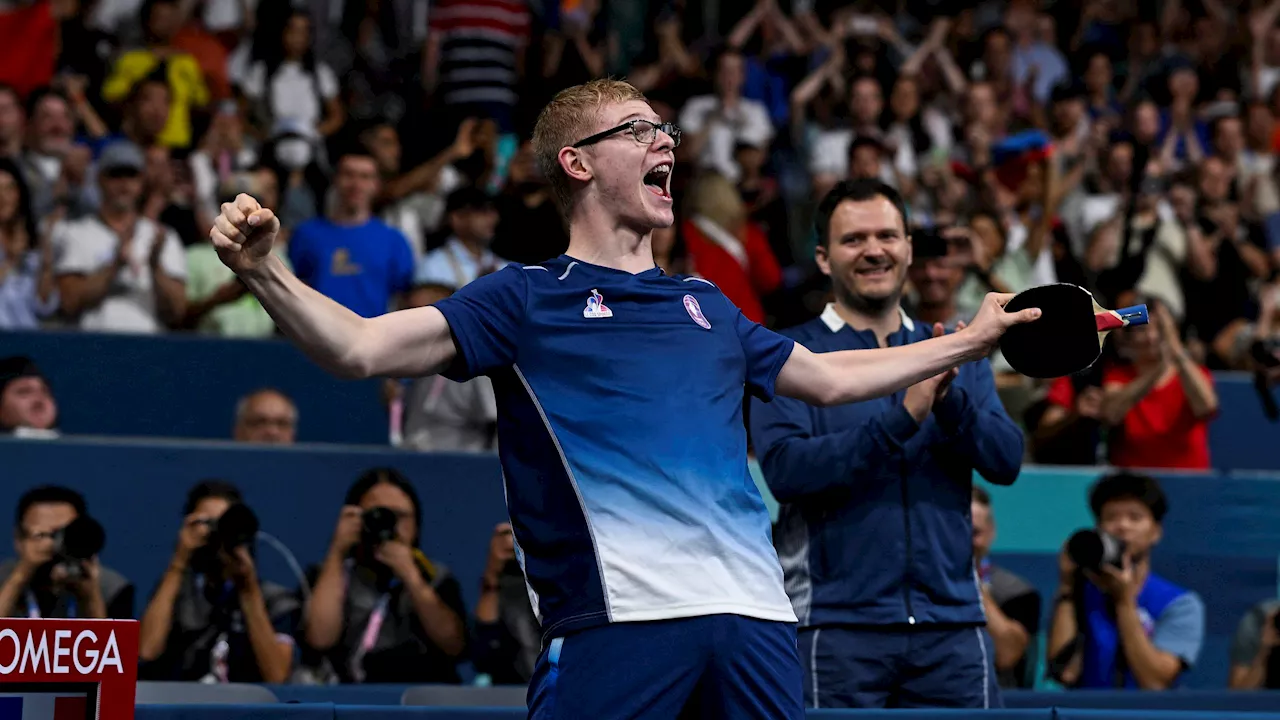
(1063, 341)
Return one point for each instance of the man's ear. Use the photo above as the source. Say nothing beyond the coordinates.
(575, 163)
(822, 258)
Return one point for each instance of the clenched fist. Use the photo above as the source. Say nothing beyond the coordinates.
(244, 234)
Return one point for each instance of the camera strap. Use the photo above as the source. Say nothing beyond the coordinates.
(33, 607)
(369, 637)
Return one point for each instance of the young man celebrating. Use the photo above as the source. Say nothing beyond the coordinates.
(643, 539)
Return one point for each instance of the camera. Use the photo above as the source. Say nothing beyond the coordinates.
(377, 526)
(238, 526)
(78, 542)
(1092, 549)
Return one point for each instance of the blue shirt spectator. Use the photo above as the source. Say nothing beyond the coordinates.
(22, 305)
(361, 266)
(1171, 616)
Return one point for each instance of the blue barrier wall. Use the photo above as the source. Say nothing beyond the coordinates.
(187, 385)
(1241, 437)
(136, 489)
(1221, 538)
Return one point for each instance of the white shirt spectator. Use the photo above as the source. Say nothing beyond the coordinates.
(227, 15)
(748, 122)
(453, 265)
(294, 92)
(87, 245)
(829, 155)
(207, 176)
(108, 15)
(446, 416)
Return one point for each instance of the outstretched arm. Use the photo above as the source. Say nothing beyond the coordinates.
(846, 376)
(409, 342)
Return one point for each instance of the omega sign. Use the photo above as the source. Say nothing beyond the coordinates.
(61, 654)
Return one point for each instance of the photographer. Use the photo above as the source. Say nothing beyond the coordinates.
(380, 611)
(211, 619)
(508, 636)
(1115, 623)
(57, 573)
(1254, 663)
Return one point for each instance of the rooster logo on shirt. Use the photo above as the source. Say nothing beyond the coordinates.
(596, 307)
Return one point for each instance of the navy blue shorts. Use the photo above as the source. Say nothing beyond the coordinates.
(899, 668)
(717, 666)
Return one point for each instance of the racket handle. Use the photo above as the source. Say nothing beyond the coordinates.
(1112, 319)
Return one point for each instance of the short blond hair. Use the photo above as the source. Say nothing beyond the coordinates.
(570, 116)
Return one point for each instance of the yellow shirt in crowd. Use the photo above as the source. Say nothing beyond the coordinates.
(186, 89)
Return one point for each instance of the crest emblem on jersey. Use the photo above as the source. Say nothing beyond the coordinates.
(695, 311)
(596, 307)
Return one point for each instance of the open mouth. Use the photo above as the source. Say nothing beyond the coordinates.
(658, 181)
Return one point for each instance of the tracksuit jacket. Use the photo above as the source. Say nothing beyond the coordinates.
(874, 527)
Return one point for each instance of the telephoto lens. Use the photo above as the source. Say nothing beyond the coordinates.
(238, 526)
(379, 526)
(1091, 549)
(78, 542)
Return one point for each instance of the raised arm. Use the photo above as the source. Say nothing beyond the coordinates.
(406, 343)
(835, 378)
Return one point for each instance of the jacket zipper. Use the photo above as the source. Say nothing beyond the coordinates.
(906, 524)
(906, 570)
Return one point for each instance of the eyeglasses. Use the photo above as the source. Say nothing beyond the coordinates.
(643, 131)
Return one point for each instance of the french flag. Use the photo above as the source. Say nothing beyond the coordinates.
(43, 706)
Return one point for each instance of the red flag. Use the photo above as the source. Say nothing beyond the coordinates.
(28, 37)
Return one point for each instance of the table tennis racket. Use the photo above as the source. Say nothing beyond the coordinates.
(1070, 333)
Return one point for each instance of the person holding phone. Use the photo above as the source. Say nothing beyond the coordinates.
(508, 636)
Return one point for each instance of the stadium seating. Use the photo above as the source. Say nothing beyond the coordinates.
(1220, 538)
(169, 693)
(445, 695)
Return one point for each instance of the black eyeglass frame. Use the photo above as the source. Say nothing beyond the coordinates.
(671, 129)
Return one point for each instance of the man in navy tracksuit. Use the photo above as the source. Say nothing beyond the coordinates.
(874, 532)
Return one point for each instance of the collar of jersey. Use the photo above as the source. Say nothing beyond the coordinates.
(835, 323)
(654, 271)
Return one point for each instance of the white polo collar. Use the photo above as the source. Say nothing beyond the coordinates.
(834, 322)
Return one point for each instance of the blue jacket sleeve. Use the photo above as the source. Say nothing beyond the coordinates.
(981, 430)
(797, 462)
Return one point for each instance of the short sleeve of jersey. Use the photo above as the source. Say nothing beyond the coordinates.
(766, 352)
(485, 318)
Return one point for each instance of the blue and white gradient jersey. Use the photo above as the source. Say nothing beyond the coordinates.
(621, 438)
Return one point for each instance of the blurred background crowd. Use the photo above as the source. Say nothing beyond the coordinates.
(1128, 147)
